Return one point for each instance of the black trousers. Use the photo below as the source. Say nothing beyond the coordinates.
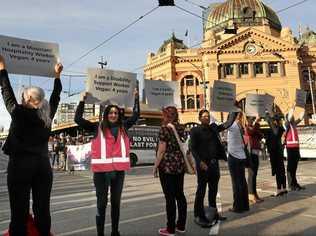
(280, 173)
(102, 182)
(172, 186)
(240, 190)
(252, 174)
(209, 177)
(293, 157)
(26, 174)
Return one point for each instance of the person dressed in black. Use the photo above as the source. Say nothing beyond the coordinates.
(207, 149)
(27, 146)
(109, 174)
(275, 149)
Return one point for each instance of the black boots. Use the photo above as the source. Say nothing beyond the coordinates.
(100, 220)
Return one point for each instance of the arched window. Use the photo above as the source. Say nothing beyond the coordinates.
(189, 97)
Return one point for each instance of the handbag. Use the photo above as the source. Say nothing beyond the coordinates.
(184, 147)
(246, 150)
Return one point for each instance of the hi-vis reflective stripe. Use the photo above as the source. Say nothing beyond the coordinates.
(291, 142)
(109, 160)
(102, 144)
(123, 149)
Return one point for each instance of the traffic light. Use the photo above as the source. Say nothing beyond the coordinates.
(163, 3)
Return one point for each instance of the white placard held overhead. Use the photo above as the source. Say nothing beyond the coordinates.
(162, 93)
(257, 104)
(300, 98)
(28, 57)
(223, 96)
(111, 86)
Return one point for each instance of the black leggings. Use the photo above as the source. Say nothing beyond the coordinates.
(252, 174)
(102, 181)
(26, 174)
(293, 157)
(172, 186)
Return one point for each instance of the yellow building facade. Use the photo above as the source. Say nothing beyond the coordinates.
(245, 44)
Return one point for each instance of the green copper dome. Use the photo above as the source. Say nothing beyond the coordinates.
(242, 13)
(178, 44)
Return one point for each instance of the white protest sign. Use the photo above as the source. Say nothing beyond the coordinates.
(257, 104)
(162, 93)
(28, 57)
(113, 86)
(223, 96)
(300, 98)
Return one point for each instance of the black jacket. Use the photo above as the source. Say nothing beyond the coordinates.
(205, 141)
(28, 135)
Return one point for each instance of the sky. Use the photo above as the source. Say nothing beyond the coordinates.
(80, 25)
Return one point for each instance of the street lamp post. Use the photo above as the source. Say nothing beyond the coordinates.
(312, 93)
(203, 79)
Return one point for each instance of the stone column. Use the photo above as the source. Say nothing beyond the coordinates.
(281, 69)
(266, 70)
(222, 71)
(251, 71)
(236, 70)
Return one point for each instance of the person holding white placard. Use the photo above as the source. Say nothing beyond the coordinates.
(253, 137)
(292, 148)
(275, 149)
(27, 146)
(236, 164)
(109, 157)
(207, 150)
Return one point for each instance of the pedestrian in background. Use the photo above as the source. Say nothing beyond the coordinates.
(170, 165)
(207, 149)
(253, 137)
(236, 164)
(110, 158)
(275, 149)
(292, 148)
(27, 146)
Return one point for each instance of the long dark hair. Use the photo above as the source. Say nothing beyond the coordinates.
(105, 123)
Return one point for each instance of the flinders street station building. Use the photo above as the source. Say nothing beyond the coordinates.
(243, 43)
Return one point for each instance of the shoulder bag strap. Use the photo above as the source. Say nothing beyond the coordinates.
(177, 136)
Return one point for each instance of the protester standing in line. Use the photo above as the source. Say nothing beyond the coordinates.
(253, 136)
(56, 152)
(27, 146)
(275, 149)
(292, 148)
(207, 149)
(236, 164)
(110, 158)
(170, 165)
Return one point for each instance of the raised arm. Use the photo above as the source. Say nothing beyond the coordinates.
(6, 89)
(129, 122)
(271, 124)
(86, 124)
(55, 96)
(230, 120)
(301, 117)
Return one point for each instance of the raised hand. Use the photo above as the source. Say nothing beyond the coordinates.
(58, 69)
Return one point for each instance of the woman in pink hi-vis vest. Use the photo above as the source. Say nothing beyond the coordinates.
(292, 148)
(109, 158)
